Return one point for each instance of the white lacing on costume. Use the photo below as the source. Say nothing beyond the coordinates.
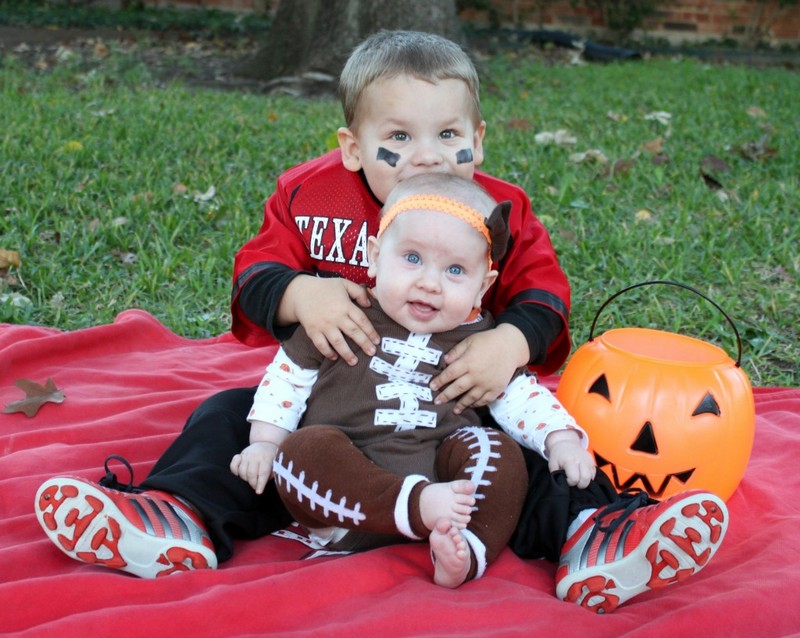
(528, 412)
(405, 382)
(401, 518)
(480, 442)
(325, 502)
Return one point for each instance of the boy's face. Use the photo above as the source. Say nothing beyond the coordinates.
(405, 126)
(430, 270)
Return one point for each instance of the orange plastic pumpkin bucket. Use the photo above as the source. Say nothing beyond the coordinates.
(664, 412)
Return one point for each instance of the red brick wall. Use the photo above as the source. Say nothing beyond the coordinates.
(675, 20)
(746, 21)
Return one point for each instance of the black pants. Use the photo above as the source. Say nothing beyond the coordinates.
(196, 467)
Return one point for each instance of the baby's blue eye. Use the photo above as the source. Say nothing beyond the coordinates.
(455, 270)
(412, 258)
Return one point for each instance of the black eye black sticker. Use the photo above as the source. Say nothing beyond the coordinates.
(708, 405)
(388, 156)
(600, 386)
(464, 156)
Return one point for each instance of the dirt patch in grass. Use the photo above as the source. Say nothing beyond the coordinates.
(170, 55)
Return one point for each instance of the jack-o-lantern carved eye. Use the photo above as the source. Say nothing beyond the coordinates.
(600, 386)
(708, 405)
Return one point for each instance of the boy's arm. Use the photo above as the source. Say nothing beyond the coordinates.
(531, 292)
(263, 269)
(274, 290)
(528, 328)
(540, 326)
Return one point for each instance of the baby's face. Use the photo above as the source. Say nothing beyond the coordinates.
(406, 126)
(431, 269)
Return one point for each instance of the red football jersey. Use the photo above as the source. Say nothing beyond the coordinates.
(320, 216)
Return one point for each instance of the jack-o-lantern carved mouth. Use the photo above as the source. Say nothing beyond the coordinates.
(624, 483)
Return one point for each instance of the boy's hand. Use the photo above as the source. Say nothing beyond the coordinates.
(565, 452)
(254, 464)
(326, 309)
(480, 367)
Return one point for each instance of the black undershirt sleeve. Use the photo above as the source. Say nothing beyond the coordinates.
(540, 325)
(260, 296)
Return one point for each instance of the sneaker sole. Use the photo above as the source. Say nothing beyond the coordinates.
(678, 544)
(86, 524)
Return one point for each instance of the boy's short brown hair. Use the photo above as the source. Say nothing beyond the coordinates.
(387, 54)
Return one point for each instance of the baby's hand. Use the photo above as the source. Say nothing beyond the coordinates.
(326, 309)
(254, 464)
(565, 452)
(480, 367)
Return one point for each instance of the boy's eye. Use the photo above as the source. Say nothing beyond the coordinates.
(412, 258)
(447, 134)
(400, 136)
(455, 270)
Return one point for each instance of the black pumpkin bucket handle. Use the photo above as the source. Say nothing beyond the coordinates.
(678, 285)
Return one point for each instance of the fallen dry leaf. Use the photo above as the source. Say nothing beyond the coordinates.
(73, 146)
(756, 151)
(125, 257)
(15, 299)
(560, 137)
(711, 182)
(756, 111)
(518, 124)
(592, 155)
(662, 117)
(714, 164)
(653, 146)
(711, 167)
(621, 167)
(100, 49)
(36, 395)
(205, 197)
(9, 258)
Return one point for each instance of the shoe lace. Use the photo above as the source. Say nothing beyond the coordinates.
(110, 479)
(628, 502)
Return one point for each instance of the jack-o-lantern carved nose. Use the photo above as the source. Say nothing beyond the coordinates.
(646, 441)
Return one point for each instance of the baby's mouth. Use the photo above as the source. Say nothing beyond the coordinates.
(422, 310)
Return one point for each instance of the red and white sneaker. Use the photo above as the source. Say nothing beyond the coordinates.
(146, 533)
(630, 547)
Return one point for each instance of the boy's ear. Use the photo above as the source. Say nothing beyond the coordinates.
(351, 152)
(477, 144)
(373, 250)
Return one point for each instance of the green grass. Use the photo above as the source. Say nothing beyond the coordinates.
(198, 22)
(95, 159)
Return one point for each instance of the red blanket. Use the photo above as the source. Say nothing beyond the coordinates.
(129, 387)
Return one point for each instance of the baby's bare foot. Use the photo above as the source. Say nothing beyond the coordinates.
(451, 555)
(452, 501)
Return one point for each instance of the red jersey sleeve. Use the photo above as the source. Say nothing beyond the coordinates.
(530, 271)
(278, 242)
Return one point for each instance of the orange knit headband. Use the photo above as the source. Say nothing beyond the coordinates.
(439, 204)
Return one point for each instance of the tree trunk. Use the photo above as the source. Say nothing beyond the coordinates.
(310, 40)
